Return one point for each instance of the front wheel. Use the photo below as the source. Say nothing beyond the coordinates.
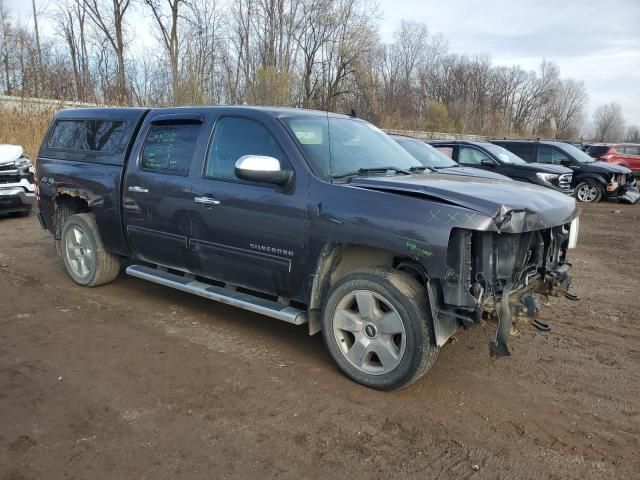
(86, 260)
(378, 329)
(589, 192)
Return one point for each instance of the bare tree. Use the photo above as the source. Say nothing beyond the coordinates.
(167, 22)
(5, 27)
(568, 107)
(109, 17)
(633, 134)
(609, 123)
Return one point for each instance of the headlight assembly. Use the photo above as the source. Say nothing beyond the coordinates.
(547, 177)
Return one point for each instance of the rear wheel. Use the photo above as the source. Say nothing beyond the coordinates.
(589, 192)
(378, 329)
(86, 260)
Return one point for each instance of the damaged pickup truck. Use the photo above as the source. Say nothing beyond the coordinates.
(306, 217)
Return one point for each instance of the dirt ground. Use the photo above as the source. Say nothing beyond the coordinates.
(136, 381)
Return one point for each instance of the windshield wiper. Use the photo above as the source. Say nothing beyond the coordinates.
(364, 171)
(421, 169)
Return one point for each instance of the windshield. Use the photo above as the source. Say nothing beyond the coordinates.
(576, 153)
(339, 146)
(426, 154)
(503, 154)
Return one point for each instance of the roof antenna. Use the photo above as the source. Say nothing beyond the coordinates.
(353, 114)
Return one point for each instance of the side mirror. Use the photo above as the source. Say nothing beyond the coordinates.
(260, 168)
(487, 162)
(566, 162)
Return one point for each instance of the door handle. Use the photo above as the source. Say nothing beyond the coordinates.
(206, 200)
(138, 189)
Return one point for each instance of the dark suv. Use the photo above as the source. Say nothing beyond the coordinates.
(435, 160)
(487, 156)
(592, 180)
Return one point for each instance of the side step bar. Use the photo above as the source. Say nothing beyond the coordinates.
(220, 294)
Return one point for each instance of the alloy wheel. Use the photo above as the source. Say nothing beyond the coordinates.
(80, 254)
(369, 332)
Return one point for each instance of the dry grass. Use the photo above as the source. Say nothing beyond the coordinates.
(25, 127)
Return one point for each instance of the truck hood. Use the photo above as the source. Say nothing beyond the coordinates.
(471, 172)
(603, 167)
(545, 167)
(10, 153)
(512, 206)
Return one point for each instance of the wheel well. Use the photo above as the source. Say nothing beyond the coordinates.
(66, 205)
(337, 260)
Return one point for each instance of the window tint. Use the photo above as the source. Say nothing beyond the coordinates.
(522, 150)
(471, 156)
(597, 150)
(169, 148)
(235, 137)
(551, 155)
(88, 135)
(448, 151)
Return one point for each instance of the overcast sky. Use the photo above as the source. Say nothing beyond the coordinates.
(597, 41)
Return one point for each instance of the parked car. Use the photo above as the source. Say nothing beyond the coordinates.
(625, 154)
(592, 180)
(490, 157)
(306, 217)
(437, 161)
(17, 190)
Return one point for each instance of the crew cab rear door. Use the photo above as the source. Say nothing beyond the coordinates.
(157, 196)
(249, 234)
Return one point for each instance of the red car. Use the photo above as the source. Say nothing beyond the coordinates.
(626, 154)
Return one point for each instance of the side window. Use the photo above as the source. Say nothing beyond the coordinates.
(235, 137)
(471, 156)
(87, 135)
(631, 150)
(448, 151)
(551, 155)
(169, 148)
(523, 150)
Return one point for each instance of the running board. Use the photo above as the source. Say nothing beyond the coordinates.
(220, 294)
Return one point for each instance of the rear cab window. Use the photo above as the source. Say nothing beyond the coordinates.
(105, 136)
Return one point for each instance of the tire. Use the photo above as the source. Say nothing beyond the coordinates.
(401, 307)
(85, 258)
(589, 192)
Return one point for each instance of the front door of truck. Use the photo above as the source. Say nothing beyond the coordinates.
(244, 233)
(157, 193)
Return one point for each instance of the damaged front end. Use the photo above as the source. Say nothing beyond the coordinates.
(506, 276)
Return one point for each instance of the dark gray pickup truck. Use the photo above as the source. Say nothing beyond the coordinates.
(307, 217)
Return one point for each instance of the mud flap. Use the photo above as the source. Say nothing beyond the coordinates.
(498, 347)
(631, 195)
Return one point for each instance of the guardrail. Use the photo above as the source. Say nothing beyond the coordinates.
(436, 135)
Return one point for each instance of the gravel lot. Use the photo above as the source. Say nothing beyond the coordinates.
(133, 380)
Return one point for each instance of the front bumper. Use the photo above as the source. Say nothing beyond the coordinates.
(17, 197)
